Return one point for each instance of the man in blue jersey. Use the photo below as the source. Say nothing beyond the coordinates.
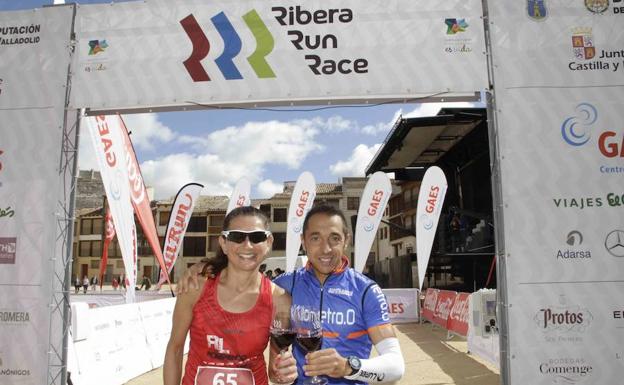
(354, 311)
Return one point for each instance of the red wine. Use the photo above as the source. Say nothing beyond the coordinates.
(283, 339)
(310, 344)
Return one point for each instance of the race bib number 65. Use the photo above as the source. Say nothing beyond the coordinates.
(215, 375)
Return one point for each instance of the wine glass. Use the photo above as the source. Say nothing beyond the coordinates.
(309, 336)
(282, 332)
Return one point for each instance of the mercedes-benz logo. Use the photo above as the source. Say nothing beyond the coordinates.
(614, 243)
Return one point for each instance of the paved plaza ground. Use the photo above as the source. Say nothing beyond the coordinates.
(429, 358)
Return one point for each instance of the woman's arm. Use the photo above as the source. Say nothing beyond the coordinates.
(182, 317)
(282, 366)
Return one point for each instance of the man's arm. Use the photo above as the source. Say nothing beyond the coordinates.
(190, 277)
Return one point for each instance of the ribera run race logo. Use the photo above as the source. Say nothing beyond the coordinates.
(232, 45)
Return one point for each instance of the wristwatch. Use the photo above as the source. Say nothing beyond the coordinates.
(355, 364)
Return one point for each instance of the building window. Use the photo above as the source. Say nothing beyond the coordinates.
(95, 264)
(85, 249)
(266, 209)
(279, 241)
(213, 243)
(194, 246)
(197, 225)
(86, 226)
(217, 220)
(163, 218)
(113, 250)
(353, 203)
(98, 226)
(279, 215)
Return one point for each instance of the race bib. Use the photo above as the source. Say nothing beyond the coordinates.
(215, 375)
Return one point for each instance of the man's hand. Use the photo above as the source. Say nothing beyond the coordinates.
(189, 279)
(326, 362)
(284, 369)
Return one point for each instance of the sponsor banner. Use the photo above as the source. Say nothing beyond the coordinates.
(458, 317)
(179, 218)
(156, 317)
(21, 319)
(429, 304)
(116, 345)
(241, 195)
(140, 199)
(34, 47)
(372, 205)
(558, 43)
(443, 307)
(430, 201)
(301, 202)
(109, 234)
(402, 304)
(159, 53)
(107, 139)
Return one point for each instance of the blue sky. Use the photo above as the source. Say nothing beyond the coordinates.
(216, 148)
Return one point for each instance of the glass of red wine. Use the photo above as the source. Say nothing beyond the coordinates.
(309, 336)
(282, 332)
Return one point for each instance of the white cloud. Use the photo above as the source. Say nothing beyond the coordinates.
(378, 128)
(357, 162)
(147, 132)
(267, 188)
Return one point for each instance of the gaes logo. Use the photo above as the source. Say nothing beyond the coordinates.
(232, 45)
(536, 9)
(454, 26)
(614, 243)
(597, 6)
(575, 131)
(97, 46)
(583, 43)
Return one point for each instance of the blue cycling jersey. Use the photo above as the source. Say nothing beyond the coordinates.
(351, 304)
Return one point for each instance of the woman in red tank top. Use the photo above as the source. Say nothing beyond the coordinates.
(229, 316)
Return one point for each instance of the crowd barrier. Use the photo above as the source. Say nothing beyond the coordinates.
(110, 345)
(472, 316)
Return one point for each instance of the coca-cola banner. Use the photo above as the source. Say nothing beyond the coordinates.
(300, 203)
(431, 299)
(241, 195)
(372, 205)
(458, 318)
(443, 306)
(179, 218)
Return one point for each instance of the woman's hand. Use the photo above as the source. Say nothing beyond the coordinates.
(284, 368)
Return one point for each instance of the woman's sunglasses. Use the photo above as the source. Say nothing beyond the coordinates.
(238, 236)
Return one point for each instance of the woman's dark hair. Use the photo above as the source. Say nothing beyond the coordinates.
(220, 261)
(328, 210)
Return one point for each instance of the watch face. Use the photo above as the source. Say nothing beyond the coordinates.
(355, 363)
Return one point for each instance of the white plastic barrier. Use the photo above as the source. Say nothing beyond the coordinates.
(402, 305)
(122, 342)
(483, 337)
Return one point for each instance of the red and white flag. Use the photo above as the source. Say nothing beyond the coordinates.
(107, 139)
(430, 200)
(179, 218)
(301, 202)
(372, 205)
(241, 195)
(109, 234)
(140, 200)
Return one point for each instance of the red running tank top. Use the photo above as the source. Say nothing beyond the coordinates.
(220, 338)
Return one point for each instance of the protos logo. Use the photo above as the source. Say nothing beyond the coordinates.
(231, 47)
(575, 130)
(563, 319)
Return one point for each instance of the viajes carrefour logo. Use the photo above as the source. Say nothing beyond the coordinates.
(232, 45)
